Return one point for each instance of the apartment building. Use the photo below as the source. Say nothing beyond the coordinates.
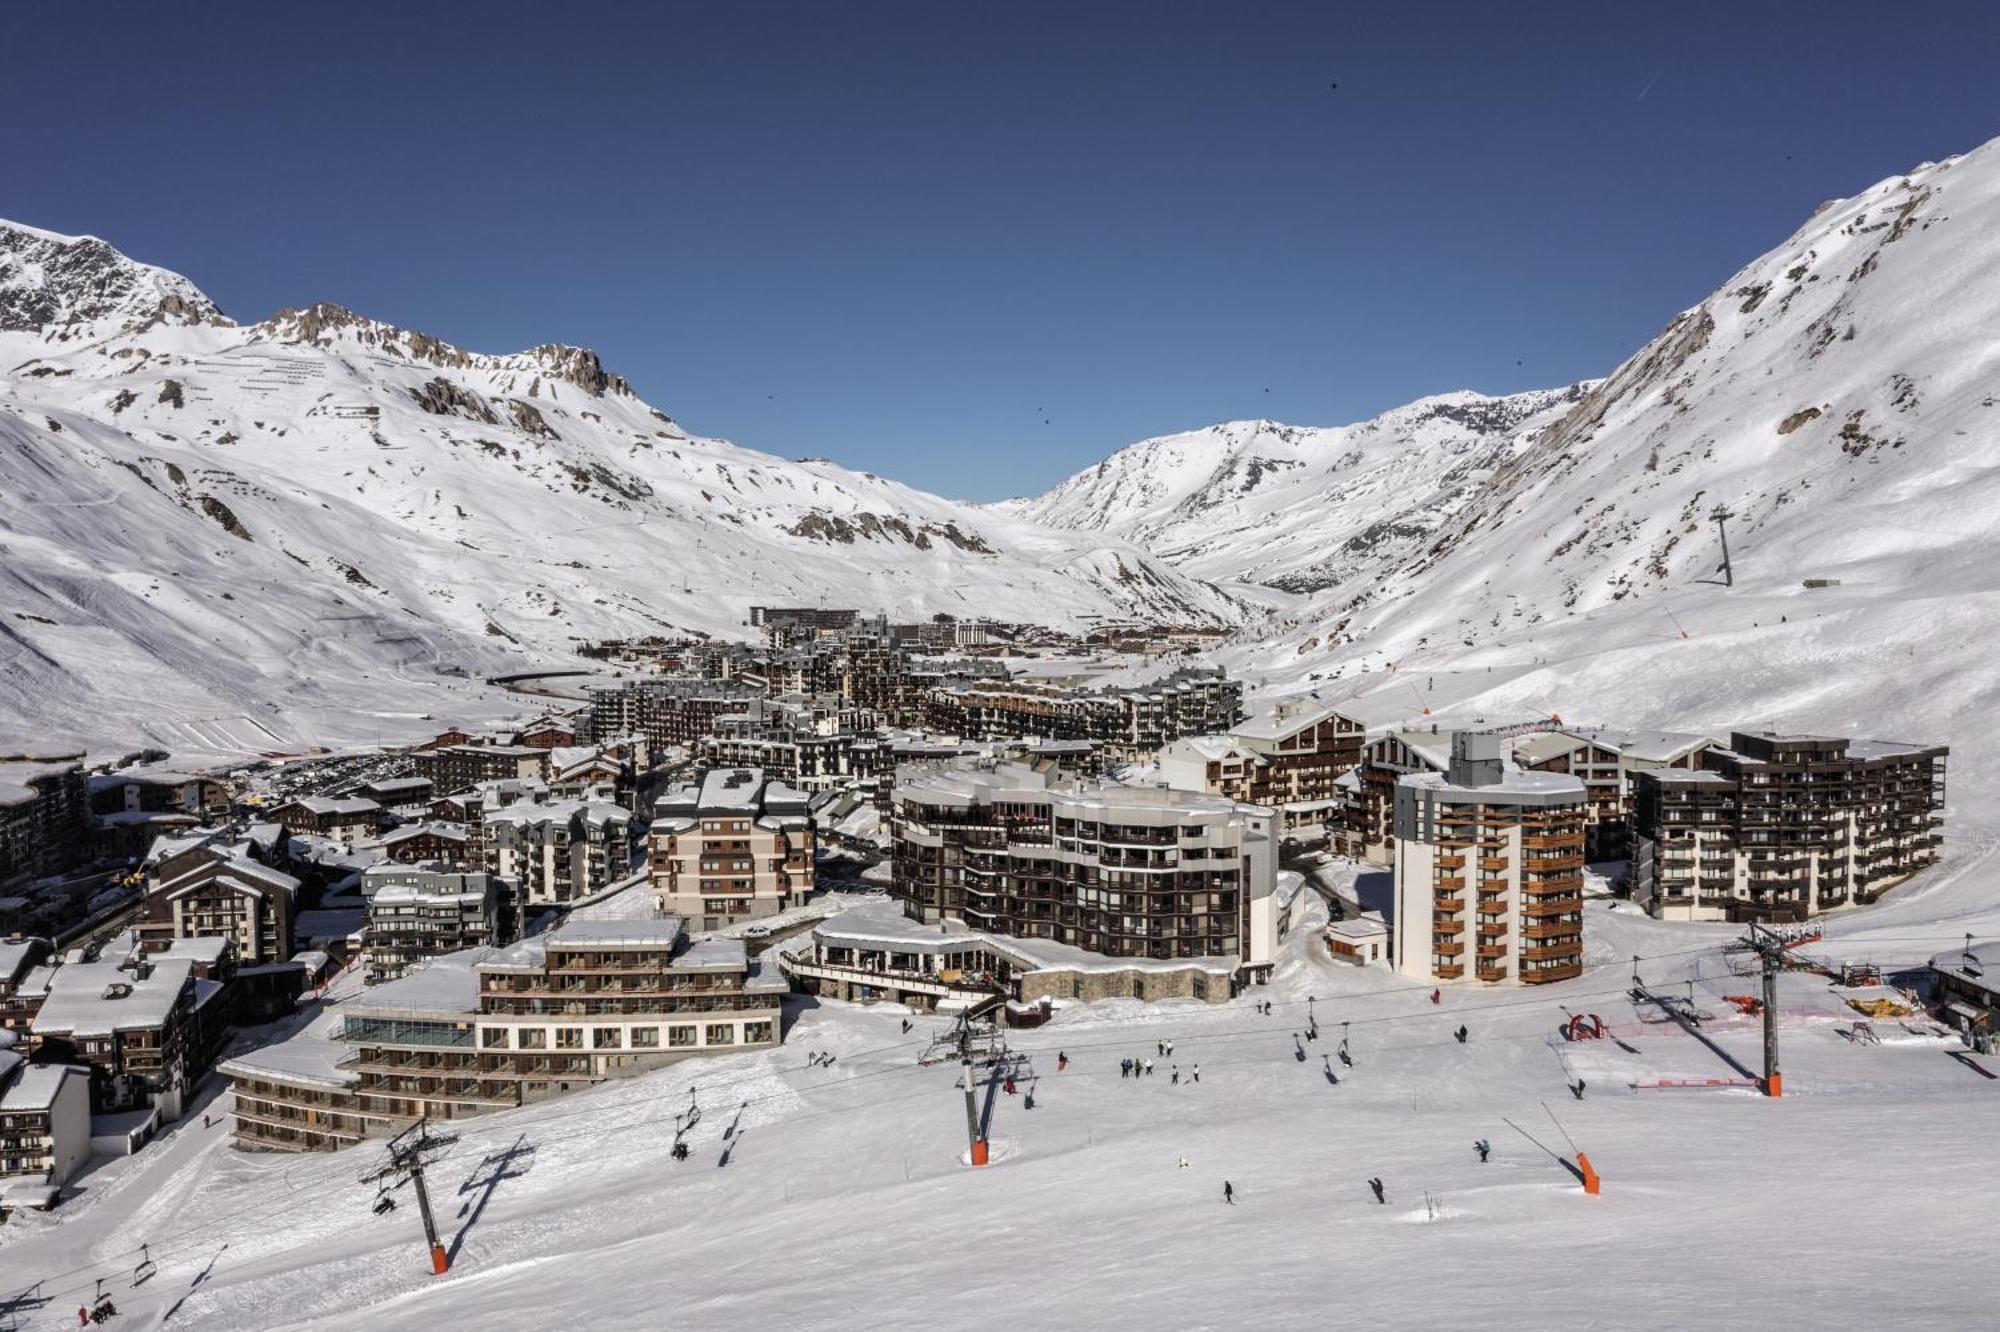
(559, 851)
(734, 846)
(417, 913)
(1783, 827)
(348, 819)
(488, 1029)
(1128, 722)
(44, 817)
(1117, 871)
(44, 1129)
(220, 890)
(1489, 870)
(1608, 763)
(452, 768)
(671, 711)
(1290, 758)
(136, 1024)
(1368, 823)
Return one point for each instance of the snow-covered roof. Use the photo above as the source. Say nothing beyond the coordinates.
(323, 806)
(97, 999)
(310, 1055)
(444, 986)
(664, 932)
(36, 1086)
(1367, 925)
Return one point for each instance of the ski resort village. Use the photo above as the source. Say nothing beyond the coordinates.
(475, 852)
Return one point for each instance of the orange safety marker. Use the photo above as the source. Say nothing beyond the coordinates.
(979, 1151)
(440, 1261)
(1774, 1086)
(1591, 1183)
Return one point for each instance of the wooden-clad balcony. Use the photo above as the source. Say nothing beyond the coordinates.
(1554, 952)
(1450, 862)
(1449, 904)
(1449, 972)
(1543, 975)
(1448, 928)
(1494, 862)
(1493, 973)
(1567, 904)
(1487, 951)
(1552, 929)
(1449, 883)
(1448, 949)
(1533, 863)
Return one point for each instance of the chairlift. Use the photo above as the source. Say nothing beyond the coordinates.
(384, 1204)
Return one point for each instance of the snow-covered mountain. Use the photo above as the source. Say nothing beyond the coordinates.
(223, 535)
(1300, 508)
(1841, 396)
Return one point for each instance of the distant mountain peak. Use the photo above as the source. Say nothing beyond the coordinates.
(49, 280)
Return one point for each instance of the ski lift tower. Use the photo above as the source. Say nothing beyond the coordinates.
(1770, 948)
(974, 1037)
(1721, 516)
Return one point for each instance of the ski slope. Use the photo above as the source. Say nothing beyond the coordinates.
(844, 1201)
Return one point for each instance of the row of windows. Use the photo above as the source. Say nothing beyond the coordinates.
(679, 1036)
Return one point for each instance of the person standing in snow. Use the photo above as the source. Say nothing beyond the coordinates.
(1380, 1195)
(1461, 1034)
(1149, 1068)
(1170, 1049)
(1124, 1068)
(1437, 996)
(1483, 1147)
(1159, 1047)
(1228, 1193)
(1177, 1075)
(1197, 1072)
(1062, 1061)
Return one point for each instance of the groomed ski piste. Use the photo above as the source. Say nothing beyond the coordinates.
(838, 1195)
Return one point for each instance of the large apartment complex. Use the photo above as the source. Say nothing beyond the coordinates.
(1489, 870)
(733, 846)
(487, 1029)
(1290, 759)
(1118, 871)
(1783, 827)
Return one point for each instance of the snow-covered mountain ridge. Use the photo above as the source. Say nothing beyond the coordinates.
(1301, 508)
(1840, 397)
(221, 536)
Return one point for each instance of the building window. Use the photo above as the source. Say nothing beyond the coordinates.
(645, 1038)
(680, 1035)
(756, 1032)
(569, 1038)
(606, 1038)
(532, 1038)
(494, 1038)
(721, 1033)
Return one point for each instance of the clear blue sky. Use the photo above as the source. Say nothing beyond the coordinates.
(908, 236)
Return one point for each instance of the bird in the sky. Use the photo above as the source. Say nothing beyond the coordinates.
(1331, 86)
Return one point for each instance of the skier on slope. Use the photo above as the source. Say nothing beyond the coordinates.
(1228, 1193)
(1062, 1061)
(1484, 1148)
(1461, 1034)
(1437, 996)
(1380, 1195)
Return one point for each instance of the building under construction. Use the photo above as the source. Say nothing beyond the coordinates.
(1783, 827)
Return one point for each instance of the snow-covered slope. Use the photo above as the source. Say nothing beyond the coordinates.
(279, 523)
(1841, 395)
(1300, 508)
